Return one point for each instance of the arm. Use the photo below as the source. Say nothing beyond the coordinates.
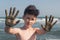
(48, 26)
(40, 31)
(11, 30)
(10, 21)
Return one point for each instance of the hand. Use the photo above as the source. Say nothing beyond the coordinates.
(49, 24)
(10, 19)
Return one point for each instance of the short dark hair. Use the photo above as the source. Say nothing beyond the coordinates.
(32, 10)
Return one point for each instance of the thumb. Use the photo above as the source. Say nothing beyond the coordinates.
(42, 26)
(17, 22)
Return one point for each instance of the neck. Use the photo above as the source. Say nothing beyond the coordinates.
(26, 27)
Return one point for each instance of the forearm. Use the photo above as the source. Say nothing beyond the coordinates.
(7, 29)
(41, 31)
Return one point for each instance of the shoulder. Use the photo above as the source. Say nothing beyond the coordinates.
(16, 29)
(37, 28)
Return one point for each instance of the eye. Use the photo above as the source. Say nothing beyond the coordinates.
(32, 19)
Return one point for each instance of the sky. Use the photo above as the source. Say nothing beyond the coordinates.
(46, 7)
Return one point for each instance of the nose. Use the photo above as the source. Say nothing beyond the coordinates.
(29, 21)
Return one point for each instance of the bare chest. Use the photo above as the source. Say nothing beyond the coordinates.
(27, 34)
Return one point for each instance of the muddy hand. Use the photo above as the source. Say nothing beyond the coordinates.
(10, 19)
(49, 23)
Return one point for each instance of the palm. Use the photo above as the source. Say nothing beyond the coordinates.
(10, 19)
(49, 24)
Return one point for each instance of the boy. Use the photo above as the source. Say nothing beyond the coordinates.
(27, 32)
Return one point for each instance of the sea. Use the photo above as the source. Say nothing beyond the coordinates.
(54, 34)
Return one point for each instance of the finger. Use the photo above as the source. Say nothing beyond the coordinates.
(10, 13)
(6, 13)
(17, 22)
(46, 20)
(50, 18)
(42, 26)
(54, 23)
(16, 14)
(13, 10)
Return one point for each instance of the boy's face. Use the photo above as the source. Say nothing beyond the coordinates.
(29, 19)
